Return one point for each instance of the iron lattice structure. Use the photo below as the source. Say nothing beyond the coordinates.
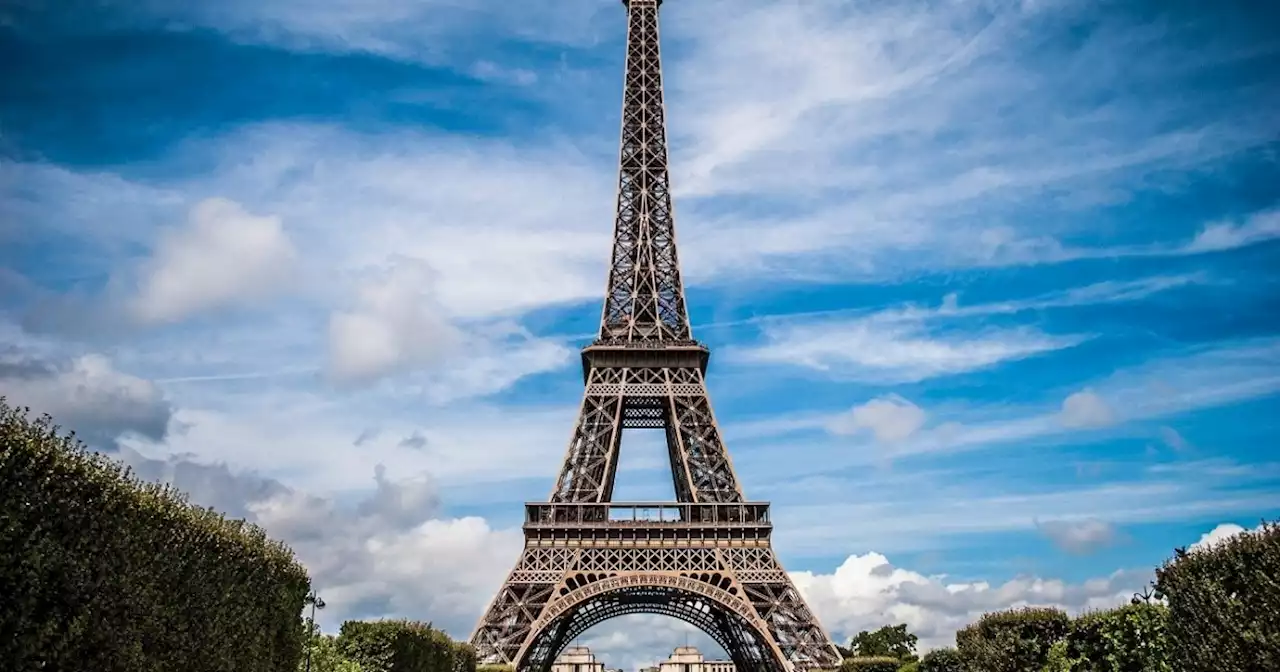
(705, 558)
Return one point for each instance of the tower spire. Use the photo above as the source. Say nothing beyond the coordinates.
(644, 301)
(705, 558)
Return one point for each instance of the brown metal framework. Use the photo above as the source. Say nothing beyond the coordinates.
(705, 558)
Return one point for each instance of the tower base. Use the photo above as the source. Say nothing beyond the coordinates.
(710, 565)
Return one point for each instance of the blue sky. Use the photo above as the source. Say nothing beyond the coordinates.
(990, 287)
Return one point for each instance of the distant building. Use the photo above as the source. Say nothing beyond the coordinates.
(577, 659)
(689, 659)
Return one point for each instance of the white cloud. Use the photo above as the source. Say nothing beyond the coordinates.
(867, 591)
(1205, 377)
(466, 446)
(223, 255)
(503, 230)
(890, 419)
(1086, 409)
(882, 114)
(433, 31)
(391, 555)
(910, 510)
(887, 348)
(490, 71)
(1219, 534)
(1174, 440)
(396, 325)
(1079, 536)
(850, 98)
(1219, 236)
(907, 343)
(86, 394)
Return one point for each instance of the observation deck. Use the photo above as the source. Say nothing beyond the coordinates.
(618, 353)
(646, 524)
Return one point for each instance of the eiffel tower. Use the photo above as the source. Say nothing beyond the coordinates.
(705, 558)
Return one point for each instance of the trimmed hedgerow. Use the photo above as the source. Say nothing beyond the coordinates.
(942, 660)
(464, 657)
(495, 668)
(403, 646)
(1132, 638)
(870, 664)
(1224, 604)
(103, 572)
(1016, 640)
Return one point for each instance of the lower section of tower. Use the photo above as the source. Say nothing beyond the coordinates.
(709, 567)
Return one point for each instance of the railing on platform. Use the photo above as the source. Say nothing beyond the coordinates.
(647, 514)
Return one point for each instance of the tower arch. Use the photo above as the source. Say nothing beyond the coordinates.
(722, 615)
(705, 558)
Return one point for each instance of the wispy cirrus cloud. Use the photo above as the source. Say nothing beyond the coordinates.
(912, 343)
(899, 523)
(896, 159)
(1203, 378)
(1081, 536)
(1210, 377)
(896, 352)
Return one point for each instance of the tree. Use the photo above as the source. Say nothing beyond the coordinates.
(941, 660)
(893, 641)
(325, 656)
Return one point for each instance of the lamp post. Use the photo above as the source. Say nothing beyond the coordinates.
(316, 603)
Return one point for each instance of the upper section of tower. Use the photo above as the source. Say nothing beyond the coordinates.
(644, 301)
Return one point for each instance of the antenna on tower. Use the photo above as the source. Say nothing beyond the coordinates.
(709, 554)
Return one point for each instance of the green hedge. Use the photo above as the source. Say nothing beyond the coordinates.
(870, 664)
(498, 667)
(942, 660)
(1224, 604)
(464, 657)
(403, 646)
(103, 572)
(325, 656)
(1017, 640)
(1133, 637)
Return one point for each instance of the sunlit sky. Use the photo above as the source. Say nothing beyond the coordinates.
(990, 286)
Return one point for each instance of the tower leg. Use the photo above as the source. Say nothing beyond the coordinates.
(740, 597)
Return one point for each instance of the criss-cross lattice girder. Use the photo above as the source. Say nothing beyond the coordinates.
(705, 558)
(644, 301)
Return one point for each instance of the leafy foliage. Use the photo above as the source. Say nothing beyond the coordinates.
(1017, 640)
(1132, 638)
(403, 646)
(1058, 659)
(942, 660)
(464, 657)
(1224, 604)
(495, 668)
(891, 641)
(870, 664)
(104, 572)
(325, 656)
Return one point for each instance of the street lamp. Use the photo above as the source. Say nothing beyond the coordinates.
(316, 603)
